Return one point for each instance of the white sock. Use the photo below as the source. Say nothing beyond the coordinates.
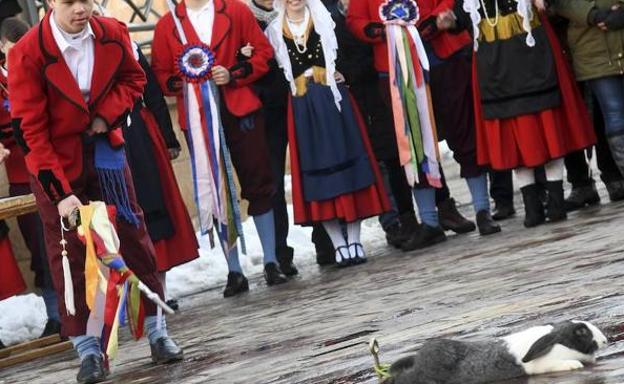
(554, 170)
(353, 232)
(525, 176)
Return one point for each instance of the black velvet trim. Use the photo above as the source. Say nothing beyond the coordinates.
(18, 133)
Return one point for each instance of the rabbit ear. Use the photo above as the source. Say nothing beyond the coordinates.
(541, 347)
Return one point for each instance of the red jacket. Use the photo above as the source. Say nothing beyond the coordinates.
(444, 44)
(15, 165)
(49, 114)
(363, 12)
(234, 26)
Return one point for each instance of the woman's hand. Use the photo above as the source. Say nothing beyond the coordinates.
(339, 77)
(247, 50)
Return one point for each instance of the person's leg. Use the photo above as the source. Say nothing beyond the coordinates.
(430, 232)
(481, 203)
(533, 208)
(449, 216)
(501, 191)
(583, 186)
(402, 196)
(555, 208)
(610, 94)
(335, 233)
(609, 172)
(323, 245)
(236, 281)
(356, 250)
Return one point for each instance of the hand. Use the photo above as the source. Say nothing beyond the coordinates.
(247, 50)
(339, 77)
(68, 205)
(615, 19)
(446, 20)
(98, 126)
(174, 153)
(540, 4)
(374, 30)
(220, 75)
(4, 153)
(174, 84)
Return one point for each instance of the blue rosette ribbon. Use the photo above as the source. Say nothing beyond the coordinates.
(195, 62)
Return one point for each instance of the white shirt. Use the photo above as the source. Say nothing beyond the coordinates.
(202, 21)
(78, 52)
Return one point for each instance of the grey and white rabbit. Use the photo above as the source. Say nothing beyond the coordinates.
(550, 348)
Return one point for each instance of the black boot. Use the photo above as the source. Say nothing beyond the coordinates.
(52, 327)
(236, 283)
(92, 370)
(394, 235)
(451, 219)
(424, 236)
(323, 245)
(533, 207)
(616, 190)
(165, 351)
(285, 258)
(273, 275)
(487, 225)
(555, 208)
(580, 197)
(503, 211)
(2, 346)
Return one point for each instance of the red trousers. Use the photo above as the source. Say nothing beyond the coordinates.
(136, 247)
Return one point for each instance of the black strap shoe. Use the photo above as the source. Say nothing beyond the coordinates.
(236, 284)
(356, 250)
(165, 351)
(343, 258)
(92, 370)
(273, 275)
(52, 327)
(451, 219)
(487, 225)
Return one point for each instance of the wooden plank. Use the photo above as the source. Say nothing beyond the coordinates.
(34, 344)
(16, 206)
(33, 354)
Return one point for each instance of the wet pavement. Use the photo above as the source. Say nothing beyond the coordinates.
(316, 328)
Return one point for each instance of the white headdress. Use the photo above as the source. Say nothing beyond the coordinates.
(524, 9)
(323, 25)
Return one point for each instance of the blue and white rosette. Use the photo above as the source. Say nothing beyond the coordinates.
(195, 62)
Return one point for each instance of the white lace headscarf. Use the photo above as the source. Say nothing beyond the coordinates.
(524, 9)
(323, 25)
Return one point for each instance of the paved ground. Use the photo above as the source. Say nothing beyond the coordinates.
(315, 329)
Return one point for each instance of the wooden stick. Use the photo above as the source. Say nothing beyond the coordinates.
(34, 344)
(35, 354)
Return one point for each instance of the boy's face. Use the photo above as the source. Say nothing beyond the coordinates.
(72, 15)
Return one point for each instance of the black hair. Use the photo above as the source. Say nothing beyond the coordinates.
(12, 29)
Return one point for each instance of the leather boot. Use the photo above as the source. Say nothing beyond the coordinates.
(503, 211)
(407, 225)
(165, 351)
(92, 370)
(616, 190)
(285, 258)
(555, 208)
(273, 275)
(425, 236)
(236, 283)
(487, 225)
(533, 207)
(580, 197)
(451, 219)
(394, 235)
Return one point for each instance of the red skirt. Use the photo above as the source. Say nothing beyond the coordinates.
(535, 139)
(11, 281)
(182, 247)
(361, 204)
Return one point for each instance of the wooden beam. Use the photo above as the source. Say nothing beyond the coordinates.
(32, 354)
(16, 206)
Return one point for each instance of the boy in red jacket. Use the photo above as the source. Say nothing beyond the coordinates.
(73, 81)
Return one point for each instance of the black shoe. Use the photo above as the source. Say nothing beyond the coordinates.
(583, 196)
(52, 327)
(533, 207)
(555, 208)
(165, 351)
(343, 258)
(503, 211)
(273, 275)
(425, 236)
(451, 219)
(394, 235)
(92, 370)
(485, 223)
(285, 260)
(616, 190)
(356, 250)
(236, 283)
(173, 304)
(2, 346)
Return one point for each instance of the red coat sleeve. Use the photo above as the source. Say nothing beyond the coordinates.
(29, 113)
(127, 89)
(358, 17)
(248, 71)
(162, 56)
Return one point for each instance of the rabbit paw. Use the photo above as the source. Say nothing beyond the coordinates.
(569, 365)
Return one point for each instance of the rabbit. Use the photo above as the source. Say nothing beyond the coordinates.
(559, 347)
